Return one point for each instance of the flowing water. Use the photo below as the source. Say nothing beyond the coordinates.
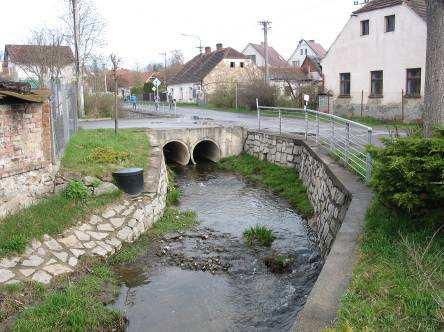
(208, 279)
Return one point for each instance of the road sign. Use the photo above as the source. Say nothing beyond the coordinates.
(156, 82)
(154, 88)
(306, 98)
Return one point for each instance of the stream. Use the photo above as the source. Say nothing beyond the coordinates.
(207, 278)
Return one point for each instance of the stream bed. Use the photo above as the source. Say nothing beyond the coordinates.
(207, 278)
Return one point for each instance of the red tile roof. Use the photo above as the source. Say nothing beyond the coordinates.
(418, 6)
(201, 65)
(317, 48)
(27, 54)
(274, 58)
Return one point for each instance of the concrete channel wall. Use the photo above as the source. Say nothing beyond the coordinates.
(340, 202)
(102, 235)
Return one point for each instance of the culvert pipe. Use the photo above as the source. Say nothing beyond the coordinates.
(206, 150)
(176, 152)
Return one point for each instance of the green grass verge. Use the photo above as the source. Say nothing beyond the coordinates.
(283, 181)
(398, 282)
(49, 216)
(99, 152)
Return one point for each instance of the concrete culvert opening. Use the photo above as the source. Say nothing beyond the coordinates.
(176, 152)
(206, 150)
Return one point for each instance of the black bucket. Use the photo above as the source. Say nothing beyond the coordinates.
(130, 180)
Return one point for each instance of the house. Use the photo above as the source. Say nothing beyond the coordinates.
(376, 66)
(37, 64)
(256, 53)
(201, 75)
(306, 48)
(312, 68)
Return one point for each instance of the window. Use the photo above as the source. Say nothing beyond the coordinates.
(296, 63)
(252, 58)
(305, 51)
(241, 65)
(365, 28)
(302, 51)
(344, 84)
(413, 88)
(232, 64)
(390, 23)
(377, 78)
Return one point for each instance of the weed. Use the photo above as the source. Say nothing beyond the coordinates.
(76, 190)
(259, 234)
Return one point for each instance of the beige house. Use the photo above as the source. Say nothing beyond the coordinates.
(205, 72)
(377, 63)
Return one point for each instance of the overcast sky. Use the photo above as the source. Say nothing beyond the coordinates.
(138, 30)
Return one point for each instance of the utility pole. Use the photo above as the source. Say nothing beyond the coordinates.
(115, 65)
(266, 26)
(77, 60)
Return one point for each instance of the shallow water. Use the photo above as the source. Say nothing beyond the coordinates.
(160, 295)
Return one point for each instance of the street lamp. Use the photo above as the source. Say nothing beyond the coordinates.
(196, 37)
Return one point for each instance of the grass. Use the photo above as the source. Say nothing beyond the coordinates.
(259, 234)
(283, 181)
(398, 281)
(99, 152)
(49, 216)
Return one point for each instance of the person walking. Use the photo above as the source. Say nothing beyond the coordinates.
(134, 102)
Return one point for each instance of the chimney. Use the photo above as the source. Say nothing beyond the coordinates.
(207, 50)
(219, 46)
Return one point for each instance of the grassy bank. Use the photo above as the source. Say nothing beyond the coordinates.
(283, 181)
(398, 281)
(100, 152)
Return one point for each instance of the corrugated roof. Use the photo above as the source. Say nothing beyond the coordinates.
(418, 6)
(274, 58)
(201, 65)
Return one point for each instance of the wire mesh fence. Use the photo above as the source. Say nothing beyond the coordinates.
(344, 139)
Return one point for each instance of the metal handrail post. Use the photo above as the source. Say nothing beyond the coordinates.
(332, 134)
(306, 122)
(368, 168)
(280, 121)
(347, 141)
(258, 114)
(317, 128)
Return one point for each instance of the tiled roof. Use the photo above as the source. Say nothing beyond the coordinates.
(201, 65)
(418, 6)
(26, 54)
(274, 58)
(317, 48)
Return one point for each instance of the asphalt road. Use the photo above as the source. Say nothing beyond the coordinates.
(184, 117)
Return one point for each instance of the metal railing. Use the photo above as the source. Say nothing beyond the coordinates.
(344, 139)
(150, 107)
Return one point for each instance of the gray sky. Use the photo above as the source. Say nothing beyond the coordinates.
(138, 30)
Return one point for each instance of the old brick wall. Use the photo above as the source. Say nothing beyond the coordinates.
(26, 165)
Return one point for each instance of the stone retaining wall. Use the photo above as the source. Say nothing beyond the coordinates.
(328, 196)
(103, 234)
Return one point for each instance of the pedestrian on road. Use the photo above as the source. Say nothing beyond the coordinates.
(156, 102)
(134, 101)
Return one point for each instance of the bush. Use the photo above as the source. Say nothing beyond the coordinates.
(99, 105)
(267, 94)
(76, 190)
(223, 97)
(408, 174)
(260, 234)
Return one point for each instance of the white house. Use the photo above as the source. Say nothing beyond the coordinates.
(26, 62)
(256, 52)
(205, 72)
(377, 63)
(306, 48)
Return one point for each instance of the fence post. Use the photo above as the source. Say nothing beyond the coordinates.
(317, 128)
(347, 141)
(332, 134)
(306, 122)
(368, 166)
(258, 114)
(280, 121)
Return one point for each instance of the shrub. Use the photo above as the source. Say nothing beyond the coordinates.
(76, 190)
(408, 174)
(99, 105)
(260, 234)
(108, 155)
(257, 88)
(223, 96)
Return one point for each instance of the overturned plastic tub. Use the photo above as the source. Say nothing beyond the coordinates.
(130, 180)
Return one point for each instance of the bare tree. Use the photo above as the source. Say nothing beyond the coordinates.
(434, 88)
(44, 58)
(115, 66)
(176, 58)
